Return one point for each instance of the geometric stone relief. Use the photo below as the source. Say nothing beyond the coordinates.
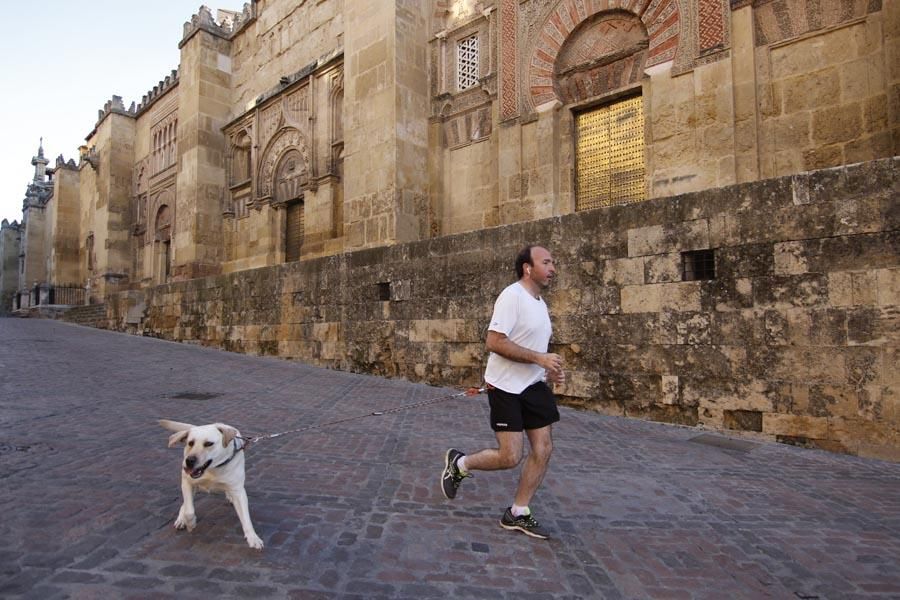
(473, 126)
(712, 26)
(509, 81)
(270, 120)
(775, 21)
(296, 108)
(445, 88)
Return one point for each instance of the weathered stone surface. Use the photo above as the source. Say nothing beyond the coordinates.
(792, 332)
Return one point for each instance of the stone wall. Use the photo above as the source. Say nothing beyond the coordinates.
(9, 263)
(63, 228)
(795, 338)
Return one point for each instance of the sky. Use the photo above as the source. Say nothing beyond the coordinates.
(64, 60)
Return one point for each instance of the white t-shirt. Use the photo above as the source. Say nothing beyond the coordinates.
(525, 321)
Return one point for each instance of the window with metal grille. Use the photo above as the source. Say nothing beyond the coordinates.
(698, 264)
(293, 232)
(384, 291)
(609, 155)
(467, 62)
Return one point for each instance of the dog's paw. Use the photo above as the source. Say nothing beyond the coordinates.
(254, 542)
(185, 523)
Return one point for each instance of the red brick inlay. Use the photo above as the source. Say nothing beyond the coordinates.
(712, 25)
(660, 18)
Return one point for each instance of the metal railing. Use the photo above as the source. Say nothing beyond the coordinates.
(70, 295)
(43, 294)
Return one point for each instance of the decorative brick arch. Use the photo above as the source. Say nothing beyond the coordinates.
(661, 18)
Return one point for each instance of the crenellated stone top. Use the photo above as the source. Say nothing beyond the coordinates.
(158, 90)
(114, 106)
(229, 22)
(62, 163)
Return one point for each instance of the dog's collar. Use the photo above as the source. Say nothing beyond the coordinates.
(233, 454)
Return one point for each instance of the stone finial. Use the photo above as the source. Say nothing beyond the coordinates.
(205, 16)
(40, 163)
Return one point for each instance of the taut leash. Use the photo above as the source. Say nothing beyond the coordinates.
(473, 391)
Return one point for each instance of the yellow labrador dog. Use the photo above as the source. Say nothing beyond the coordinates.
(213, 462)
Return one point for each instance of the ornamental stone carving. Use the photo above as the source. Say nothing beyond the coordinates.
(288, 141)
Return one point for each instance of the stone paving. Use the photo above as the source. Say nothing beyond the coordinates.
(89, 491)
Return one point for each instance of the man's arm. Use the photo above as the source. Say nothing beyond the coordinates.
(502, 345)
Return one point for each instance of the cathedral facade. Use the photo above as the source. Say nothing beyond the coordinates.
(302, 129)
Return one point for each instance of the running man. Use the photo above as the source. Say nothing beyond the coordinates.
(517, 373)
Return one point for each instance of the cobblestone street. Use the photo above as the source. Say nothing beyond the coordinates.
(89, 491)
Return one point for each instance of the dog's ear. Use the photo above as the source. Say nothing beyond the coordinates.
(178, 438)
(228, 433)
(174, 425)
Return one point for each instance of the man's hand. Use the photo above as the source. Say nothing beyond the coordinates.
(551, 362)
(557, 377)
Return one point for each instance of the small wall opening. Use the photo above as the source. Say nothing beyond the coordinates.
(697, 265)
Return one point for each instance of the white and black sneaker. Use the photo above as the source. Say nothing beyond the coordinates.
(524, 523)
(451, 476)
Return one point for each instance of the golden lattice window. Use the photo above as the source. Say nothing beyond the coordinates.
(610, 155)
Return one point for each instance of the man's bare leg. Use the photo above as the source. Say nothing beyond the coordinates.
(506, 456)
(536, 464)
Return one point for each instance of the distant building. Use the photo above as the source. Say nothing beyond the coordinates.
(10, 238)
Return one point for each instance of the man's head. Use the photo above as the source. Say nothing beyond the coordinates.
(535, 263)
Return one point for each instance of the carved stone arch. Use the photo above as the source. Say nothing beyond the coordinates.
(336, 123)
(604, 53)
(285, 140)
(661, 20)
(241, 145)
(336, 101)
(165, 198)
(291, 177)
(162, 225)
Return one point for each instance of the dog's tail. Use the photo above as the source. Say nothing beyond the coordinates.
(174, 425)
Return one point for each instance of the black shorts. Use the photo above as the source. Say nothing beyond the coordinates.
(534, 408)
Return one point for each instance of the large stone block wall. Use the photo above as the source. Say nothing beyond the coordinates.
(796, 338)
(824, 99)
(64, 239)
(287, 36)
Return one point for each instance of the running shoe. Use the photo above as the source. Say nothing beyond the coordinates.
(527, 524)
(451, 477)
